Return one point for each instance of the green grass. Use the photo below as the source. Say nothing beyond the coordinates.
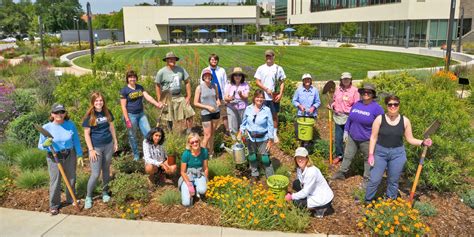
(426, 208)
(170, 197)
(31, 159)
(322, 63)
(221, 167)
(33, 179)
(9, 150)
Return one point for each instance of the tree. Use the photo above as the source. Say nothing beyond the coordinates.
(305, 30)
(58, 14)
(116, 20)
(348, 30)
(251, 30)
(269, 28)
(17, 18)
(101, 21)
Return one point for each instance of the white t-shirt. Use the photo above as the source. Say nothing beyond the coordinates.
(268, 75)
(315, 187)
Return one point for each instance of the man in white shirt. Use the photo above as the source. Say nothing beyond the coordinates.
(219, 78)
(270, 78)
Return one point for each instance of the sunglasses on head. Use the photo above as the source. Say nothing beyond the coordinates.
(59, 112)
(393, 104)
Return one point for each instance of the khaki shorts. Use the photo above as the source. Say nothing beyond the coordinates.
(223, 110)
(177, 109)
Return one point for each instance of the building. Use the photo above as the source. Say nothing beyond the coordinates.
(188, 23)
(409, 23)
(281, 11)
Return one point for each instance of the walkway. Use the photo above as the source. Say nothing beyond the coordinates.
(28, 223)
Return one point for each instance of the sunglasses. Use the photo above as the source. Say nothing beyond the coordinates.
(393, 105)
(59, 112)
(367, 92)
(194, 142)
(254, 118)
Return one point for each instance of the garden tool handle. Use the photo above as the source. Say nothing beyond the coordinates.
(417, 177)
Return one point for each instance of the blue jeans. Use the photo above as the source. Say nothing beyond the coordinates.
(392, 159)
(339, 140)
(200, 185)
(138, 121)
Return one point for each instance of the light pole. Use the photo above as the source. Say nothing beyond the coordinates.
(91, 38)
(450, 34)
(78, 33)
(40, 23)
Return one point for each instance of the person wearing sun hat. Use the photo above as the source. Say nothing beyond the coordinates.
(236, 96)
(358, 129)
(345, 96)
(311, 188)
(306, 98)
(67, 145)
(168, 83)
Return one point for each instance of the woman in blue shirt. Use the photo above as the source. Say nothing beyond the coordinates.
(67, 145)
(257, 126)
(99, 133)
(131, 101)
(194, 170)
(306, 98)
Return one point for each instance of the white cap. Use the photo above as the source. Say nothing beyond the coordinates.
(306, 75)
(347, 75)
(301, 151)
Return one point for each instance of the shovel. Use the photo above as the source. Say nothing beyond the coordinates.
(329, 89)
(60, 166)
(430, 130)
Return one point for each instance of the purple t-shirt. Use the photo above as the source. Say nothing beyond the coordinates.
(361, 117)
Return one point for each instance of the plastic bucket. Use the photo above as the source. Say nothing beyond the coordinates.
(305, 128)
(278, 185)
(238, 152)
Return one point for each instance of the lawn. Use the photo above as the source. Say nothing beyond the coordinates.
(322, 63)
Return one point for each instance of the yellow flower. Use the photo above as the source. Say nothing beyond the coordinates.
(386, 233)
(275, 212)
(135, 212)
(379, 226)
(282, 216)
(395, 218)
(360, 224)
(128, 210)
(123, 216)
(427, 229)
(376, 230)
(256, 221)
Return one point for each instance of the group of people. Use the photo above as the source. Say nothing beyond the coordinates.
(361, 125)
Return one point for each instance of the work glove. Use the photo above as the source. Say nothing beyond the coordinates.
(288, 197)
(191, 189)
(427, 142)
(371, 160)
(48, 142)
(345, 137)
(128, 123)
(80, 161)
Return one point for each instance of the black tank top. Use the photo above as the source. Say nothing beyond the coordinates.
(391, 136)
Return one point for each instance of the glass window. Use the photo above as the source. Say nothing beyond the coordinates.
(442, 29)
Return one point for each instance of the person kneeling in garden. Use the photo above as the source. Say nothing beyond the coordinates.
(155, 156)
(194, 170)
(386, 140)
(312, 189)
(257, 126)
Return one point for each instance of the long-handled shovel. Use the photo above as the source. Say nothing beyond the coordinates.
(329, 89)
(60, 166)
(430, 130)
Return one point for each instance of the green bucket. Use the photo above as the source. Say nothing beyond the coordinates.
(305, 128)
(278, 185)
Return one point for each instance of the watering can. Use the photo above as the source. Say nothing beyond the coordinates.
(237, 151)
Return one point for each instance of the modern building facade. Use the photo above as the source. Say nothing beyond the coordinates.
(281, 11)
(188, 23)
(409, 23)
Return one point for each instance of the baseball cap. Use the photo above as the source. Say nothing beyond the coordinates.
(306, 75)
(57, 107)
(346, 75)
(269, 52)
(301, 151)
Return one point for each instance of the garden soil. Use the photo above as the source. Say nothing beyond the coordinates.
(454, 217)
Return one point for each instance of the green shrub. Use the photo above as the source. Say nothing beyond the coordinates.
(6, 184)
(126, 165)
(319, 162)
(221, 167)
(33, 179)
(9, 150)
(422, 103)
(284, 170)
(297, 220)
(175, 143)
(305, 43)
(22, 128)
(250, 43)
(105, 42)
(126, 187)
(425, 208)
(358, 194)
(288, 142)
(31, 159)
(346, 45)
(322, 147)
(81, 185)
(5, 171)
(170, 197)
(468, 198)
(24, 100)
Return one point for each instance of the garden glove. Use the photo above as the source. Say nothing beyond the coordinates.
(371, 160)
(288, 197)
(48, 142)
(345, 137)
(128, 123)
(191, 189)
(427, 142)
(80, 161)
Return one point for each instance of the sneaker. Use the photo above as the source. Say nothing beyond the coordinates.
(319, 213)
(88, 204)
(105, 198)
(339, 175)
(54, 211)
(337, 160)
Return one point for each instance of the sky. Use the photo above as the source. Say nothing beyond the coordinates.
(106, 6)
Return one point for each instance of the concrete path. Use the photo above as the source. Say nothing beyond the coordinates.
(28, 223)
(74, 69)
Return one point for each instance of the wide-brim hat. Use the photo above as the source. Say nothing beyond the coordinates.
(57, 107)
(237, 71)
(306, 75)
(269, 52)
(170, 55)
(368, 86)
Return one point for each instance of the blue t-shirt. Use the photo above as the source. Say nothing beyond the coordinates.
(100, 134)
(194, 161)
(134, 98)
